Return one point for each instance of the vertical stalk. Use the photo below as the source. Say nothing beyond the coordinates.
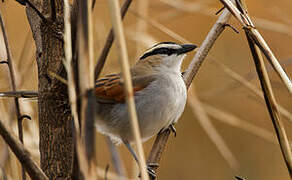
(118, 29)
(271, 102)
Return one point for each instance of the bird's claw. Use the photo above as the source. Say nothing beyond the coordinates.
(151, 173)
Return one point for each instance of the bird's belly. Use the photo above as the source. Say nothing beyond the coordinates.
(156, 109)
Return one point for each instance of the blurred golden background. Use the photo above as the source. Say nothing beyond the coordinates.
(240, 117)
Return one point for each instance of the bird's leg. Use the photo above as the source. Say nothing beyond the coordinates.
(151, 172)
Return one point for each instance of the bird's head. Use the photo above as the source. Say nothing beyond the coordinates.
(166, 55)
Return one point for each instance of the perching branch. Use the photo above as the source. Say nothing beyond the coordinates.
(161, 139)
(13, 83)
(22, 154)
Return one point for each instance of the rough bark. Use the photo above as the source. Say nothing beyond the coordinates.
(55, 120)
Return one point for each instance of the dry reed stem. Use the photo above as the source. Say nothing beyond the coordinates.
(268, 92)
(22, 154)
(246, 22)
(13, 83)
(207, 125)
(161, 139)
(142, 7)
(124, 61)
(69, 66)
(85, 140)
(109, 41)
(271, 102)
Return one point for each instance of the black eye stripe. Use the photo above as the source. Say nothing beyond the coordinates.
(162, 50)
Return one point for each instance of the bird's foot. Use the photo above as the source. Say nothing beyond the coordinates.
(151, 171)
(172, 129)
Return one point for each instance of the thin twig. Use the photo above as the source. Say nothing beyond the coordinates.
(20, 94)
(22, 154)
(128, 88)
(13, 83)
(69, 66)
(109, 41)
(242, 16)
(58, 77)
(161, 139)
(271, 102)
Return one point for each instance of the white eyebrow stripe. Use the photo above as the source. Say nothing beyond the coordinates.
(171, 46)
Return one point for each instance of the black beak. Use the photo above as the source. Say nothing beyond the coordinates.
(186, 48)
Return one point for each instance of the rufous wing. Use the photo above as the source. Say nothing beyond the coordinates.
(110, 88)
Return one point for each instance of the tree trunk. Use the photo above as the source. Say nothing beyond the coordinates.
(55, 120)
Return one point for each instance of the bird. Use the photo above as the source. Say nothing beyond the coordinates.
(160, 95)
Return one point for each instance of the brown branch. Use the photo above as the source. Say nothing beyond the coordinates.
(20, 94)
(109, 41)
(56, 133)
(271, 102)
(161, 139)
(13, 83)
(22, 154)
